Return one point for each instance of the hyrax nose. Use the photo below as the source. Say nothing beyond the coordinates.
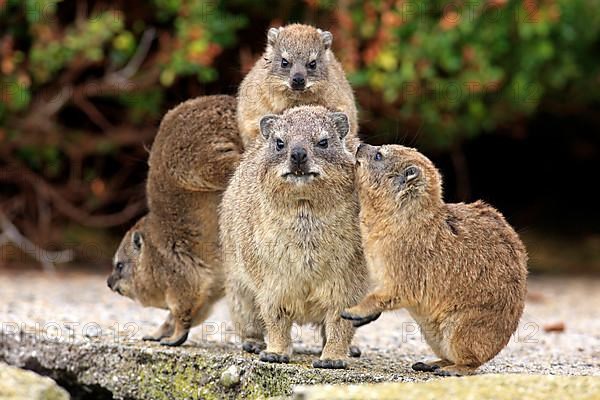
(109, 282)
(298, 81)
(299, 156)
(361, 147)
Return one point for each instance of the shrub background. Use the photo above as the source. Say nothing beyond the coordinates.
(502, 94)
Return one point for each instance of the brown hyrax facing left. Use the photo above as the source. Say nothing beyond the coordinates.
(459, 269)
(290, 235)
(156, 277)
(171, 258)
(297, 68)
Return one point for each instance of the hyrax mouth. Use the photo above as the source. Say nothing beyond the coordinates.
(300, 174)
(297, 90)
(117, 289)
(359, 161)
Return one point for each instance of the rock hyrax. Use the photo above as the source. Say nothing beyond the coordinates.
(297, 68)
(290, 235)
(459, 269)
(171, 258)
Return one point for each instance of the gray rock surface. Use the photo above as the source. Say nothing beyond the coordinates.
(18, 384)
(72, 328)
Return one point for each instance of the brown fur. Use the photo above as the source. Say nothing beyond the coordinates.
(266, 89)
(177, 262)
(291, 243)
(459, 269)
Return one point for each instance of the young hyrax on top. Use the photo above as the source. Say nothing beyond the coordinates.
(459, 269)
(171, 258)
(297, 68)
(290, 235)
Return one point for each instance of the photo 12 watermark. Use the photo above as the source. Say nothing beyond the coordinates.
(71, 331)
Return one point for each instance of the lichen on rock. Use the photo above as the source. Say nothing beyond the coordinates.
(498, 387)
(18, 384)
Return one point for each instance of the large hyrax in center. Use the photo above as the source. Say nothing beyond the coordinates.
(290, 235)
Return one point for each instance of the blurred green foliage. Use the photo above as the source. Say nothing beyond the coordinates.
(457, 68)
(83, 84)
(38, 46)
(462, 68)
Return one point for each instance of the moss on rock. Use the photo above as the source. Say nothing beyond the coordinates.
(140, 370)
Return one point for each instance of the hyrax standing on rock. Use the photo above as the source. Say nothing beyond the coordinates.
(297, 68)
(171, 258)
(290, 235)
(459, 269)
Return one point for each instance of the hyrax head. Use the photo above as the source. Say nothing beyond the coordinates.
(305, 144)
(298, 55)
(397, 173)
(126, 260)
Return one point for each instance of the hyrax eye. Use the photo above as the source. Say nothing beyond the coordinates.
(284, 63)
(279, 144)
(378, 156)
(411, 172)
(312, 64)
(323, 143)
(119, 266)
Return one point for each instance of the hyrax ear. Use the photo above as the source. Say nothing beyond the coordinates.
(266, 124)
(272, 36)
(342, 124)
(137, 240)
(327, 38)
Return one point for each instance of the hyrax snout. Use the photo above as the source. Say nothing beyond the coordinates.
(459, 269)
(121, 280)
(290, 235)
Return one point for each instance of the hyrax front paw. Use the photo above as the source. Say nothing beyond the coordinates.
(358, 320)
(423, 367)
(430, 366)
(174, 340)
(273, 357)
(151, 338)
(254, 347)
(330, 364)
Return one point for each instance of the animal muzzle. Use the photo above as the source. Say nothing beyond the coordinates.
(359, 148)
(362, 150)
(298, 81)
(298, 160)
(110, 282)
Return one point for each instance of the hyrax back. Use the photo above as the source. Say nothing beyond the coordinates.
(171, 258)
(297, 68)
(290, 234)
(460, 269)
